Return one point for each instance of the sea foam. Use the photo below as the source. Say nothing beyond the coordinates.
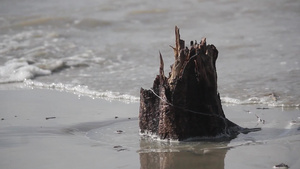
(17, 70)
(82, 90)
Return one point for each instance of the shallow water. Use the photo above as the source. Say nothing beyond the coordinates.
(95, 133)
(110, 48)
(279, 137)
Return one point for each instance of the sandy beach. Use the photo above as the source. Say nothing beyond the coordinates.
(42, 128)
(71, 72)
(29, 140)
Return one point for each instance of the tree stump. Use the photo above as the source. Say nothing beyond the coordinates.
(187, 103)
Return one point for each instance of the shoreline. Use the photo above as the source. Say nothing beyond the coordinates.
(44, 128)
(29, 140)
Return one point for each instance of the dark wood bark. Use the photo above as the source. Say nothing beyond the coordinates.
(187, 103)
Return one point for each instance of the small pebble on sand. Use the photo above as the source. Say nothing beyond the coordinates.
(281, 166)
(48, 118)
(119, 131)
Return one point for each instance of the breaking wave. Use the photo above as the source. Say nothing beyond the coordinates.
(82, 90)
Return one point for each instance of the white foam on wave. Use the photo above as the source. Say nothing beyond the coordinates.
(229, 100)
(25, 54)
(264, 100)
(252, 100)
(82, 90)
(17, 70)
(35, 53)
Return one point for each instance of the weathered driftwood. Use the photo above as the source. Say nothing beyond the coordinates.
(187, 103)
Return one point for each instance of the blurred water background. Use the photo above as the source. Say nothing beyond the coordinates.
(109, 48)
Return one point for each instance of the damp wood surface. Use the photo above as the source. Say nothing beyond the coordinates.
(186, 104)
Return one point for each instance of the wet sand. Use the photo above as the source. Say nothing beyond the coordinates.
(41, 128)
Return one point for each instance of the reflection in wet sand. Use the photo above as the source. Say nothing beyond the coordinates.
(154, 154)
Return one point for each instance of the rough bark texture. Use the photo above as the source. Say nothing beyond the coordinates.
(187, 103)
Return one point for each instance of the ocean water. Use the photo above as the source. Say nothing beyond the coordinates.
(109, 48)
